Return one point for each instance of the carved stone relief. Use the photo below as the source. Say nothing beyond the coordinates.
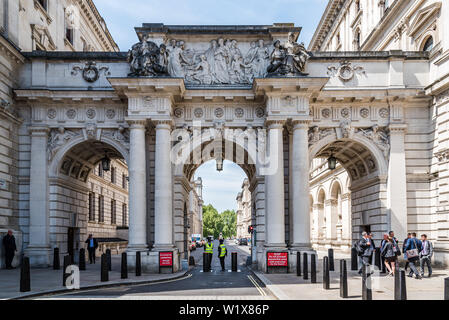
(90, 71)
(57, 138)
(345, 71)
(316, 134)
(379, 137)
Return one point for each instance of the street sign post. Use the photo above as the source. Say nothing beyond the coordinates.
(166, 260)
(277, 260)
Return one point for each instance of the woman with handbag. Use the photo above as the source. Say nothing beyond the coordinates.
(389, 253)
(412, 248)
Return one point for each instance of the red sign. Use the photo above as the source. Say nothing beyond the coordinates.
(166, 259)
(277, 259)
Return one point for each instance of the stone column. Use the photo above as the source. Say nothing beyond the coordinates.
(274, 186)
(331, 212)
(397, 182)
(38, 249)
(137, 188)
(300, 186)
(163, 188)
(346, 218)
(317, 223)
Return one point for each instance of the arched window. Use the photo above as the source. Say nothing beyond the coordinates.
(428, 45)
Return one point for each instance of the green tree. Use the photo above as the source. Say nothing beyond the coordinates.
(210, 217)
(214, 223)
(229, 219)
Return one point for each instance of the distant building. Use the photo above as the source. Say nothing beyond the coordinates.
(196, 207)
(244, 211)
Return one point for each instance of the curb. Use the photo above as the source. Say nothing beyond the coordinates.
(270, 286)
(95, 286)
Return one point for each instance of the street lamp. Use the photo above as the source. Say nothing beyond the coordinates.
(219, 161)
(332, 162)
(106, 163)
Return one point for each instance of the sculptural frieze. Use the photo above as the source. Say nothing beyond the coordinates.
(316, 134)
(345, 71)
(57, 138)
(222, 62)
(379, 137)
(90, 71)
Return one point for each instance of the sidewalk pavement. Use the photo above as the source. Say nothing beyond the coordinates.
(47, 281)
(291, 287)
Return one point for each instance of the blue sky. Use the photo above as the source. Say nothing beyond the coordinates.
(122, 16)
(220, 188)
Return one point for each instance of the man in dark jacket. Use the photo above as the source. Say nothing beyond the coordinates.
(92, 245)
(409, 235)
(413, 244)
(367, 247)
(9, 242)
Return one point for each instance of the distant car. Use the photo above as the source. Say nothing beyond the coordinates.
(243, 242)
(236, 241)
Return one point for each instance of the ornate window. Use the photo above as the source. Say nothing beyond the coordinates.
(113, 212)
(112, 174)
(91, 206)
(100, 208)
(124, 214)
(428, 44)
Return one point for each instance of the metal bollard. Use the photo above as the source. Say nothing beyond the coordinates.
(298, 263)
(313, 268)
(124, 266)
(402, 286)
(108, 256)
(330, 254)
(82, 262)
(377, 259)
(191, 261)
(305, 266)
(56, 262)
(326, 279)
(204, 262)
(138, 264)
(234, 262)
(446, 289)
(354, 260)
(366, 284)
(343, 279)
(25, 281)
(397, 284)
(104, 268)
(67, 262)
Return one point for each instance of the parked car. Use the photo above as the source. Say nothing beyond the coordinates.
(236, 241)
(243, 242)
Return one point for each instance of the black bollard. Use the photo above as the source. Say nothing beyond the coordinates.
(397, 284)
(298, 263)
(366, 284)
(305, 266)
(56, 263)
(402, 285)
(343, 279)
(124, 266)
(354, 260)
(326, 279)
(191, 261)
(330, 253)
(65, 275)
(234, 262)
(138, 264)
(377, 258)
(204, 262)
(104, 268)
(25, 281)
(108, 256)
(446, 289)
(313, 268)
(383, 269)
(82, 262)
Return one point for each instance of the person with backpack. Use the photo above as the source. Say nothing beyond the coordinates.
(412, 248)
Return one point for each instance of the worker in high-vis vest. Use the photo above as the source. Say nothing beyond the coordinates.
(222, 254)
(209, 249)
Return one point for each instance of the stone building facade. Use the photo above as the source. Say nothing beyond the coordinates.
(47, 25)
(244, 211)
(196, 207)
(416, 25)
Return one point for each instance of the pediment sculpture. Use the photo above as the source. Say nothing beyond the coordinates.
(222, 63)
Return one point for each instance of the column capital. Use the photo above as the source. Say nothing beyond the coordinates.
(39, 130)
(300, 124)
(137, 123)
(275, 124)
(163, 124)
(398, 128)
(331, 202)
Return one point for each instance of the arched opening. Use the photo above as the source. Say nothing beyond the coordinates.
(88, 195)
(427, 44)
(353, 200)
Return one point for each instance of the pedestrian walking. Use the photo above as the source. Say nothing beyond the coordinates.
(409, 235)
(412, 248)
(92, 245)
(365, 250)
(425, 256)
(382, 245)
(388, 252)
(9, 243)
(222, 254)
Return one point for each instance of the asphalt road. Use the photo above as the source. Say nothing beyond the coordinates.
(197, 285)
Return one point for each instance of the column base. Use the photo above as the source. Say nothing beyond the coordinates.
(137, 247)
(39, 256)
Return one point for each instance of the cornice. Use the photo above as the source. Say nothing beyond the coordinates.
(11, 50)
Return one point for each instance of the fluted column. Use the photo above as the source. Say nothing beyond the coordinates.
(137, 188)
(274, 184)
(38, 249)
(163, 188)
(300, 185)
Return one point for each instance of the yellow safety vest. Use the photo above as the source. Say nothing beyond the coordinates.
(209, 247)
(223, 250)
